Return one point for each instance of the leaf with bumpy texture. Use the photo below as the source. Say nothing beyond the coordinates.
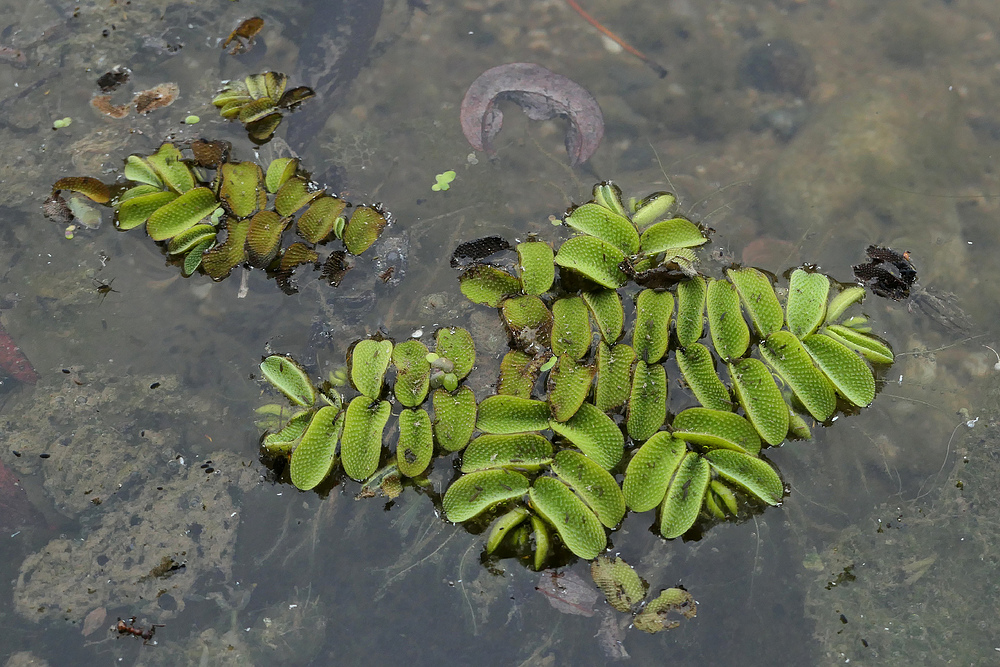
(649, 472)
(315, 456)
(476, 492)
(578, 527)
(594, 433)
(361, 444)
(683, 501)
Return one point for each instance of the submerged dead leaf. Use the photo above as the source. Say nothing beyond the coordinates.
(568, 592)
(542, 95)
(157, 97)
(103, 104)
(94, 621)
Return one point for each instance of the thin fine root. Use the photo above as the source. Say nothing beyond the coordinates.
(920, 492)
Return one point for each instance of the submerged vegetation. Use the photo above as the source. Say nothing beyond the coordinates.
(212, 213)
(580, 428)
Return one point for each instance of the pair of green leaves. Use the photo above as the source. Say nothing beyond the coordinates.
(311, 435)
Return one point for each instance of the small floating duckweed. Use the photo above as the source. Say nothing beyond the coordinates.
(443, 181)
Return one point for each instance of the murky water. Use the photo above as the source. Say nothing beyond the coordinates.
(801, 130)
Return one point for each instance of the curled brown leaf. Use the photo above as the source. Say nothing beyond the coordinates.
(542, 95)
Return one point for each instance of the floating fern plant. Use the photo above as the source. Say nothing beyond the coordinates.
(582, 399)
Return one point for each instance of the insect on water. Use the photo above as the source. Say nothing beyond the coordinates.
(104, 288)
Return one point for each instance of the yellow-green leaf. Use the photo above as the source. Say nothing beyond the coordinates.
(783, 351)
(594, 433)
(361, 443)
(578, 527)
(316, 454)
(761, 399)
(685, 496)
(730, 333)
(476, 492)
(649, 472)
(807, 293)
(716, 429)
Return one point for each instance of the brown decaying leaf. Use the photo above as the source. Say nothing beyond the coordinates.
(103, 104)
(247, 30)
(542, 95)
(157, 97)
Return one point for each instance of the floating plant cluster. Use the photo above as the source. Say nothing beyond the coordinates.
(576, 411)
(212, 213)
(258, 101)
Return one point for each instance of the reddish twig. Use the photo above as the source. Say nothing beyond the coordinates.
(655, 66)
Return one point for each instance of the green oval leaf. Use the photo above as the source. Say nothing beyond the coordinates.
(455, 344)
(369, 361)
(593, 433)
(691, 310)
(536, 264)
(488, 285)
(749, 472)
(850, 375)
(264, 237)
(364, 228)
(361, 444)
(730, 333)
(279, 171)
(528, 321)
(844, 299)
(647, 403)
(190, 238)
(757, 293)
(653, 208)
(578, 527)
(594, 259)
(671, 234)
(518, 373)
(242, 190)
(295, 193)
(412, 373)
(504, 525)
(169, 165)
(614, 368)
(606, 307)
(651, 332)
(316, 454)
(416, 442)
(570, 327)
(287, 376)
(600, 222)
(807, 293)
(592, 483)
(526, 451)
(761, 398)
(649, 472)
(698, 368)
(317, 223)
(783, 351)
(284, 441)
(568, 386)
(181, 213)
(139, 171)
(716, 429)
(685, 496)
(510, 414)
(454, 418)
(872, 348)
(543, 541)
(136, 210)
(478, 491)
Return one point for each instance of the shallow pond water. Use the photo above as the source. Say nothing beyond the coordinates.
(800, 130)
